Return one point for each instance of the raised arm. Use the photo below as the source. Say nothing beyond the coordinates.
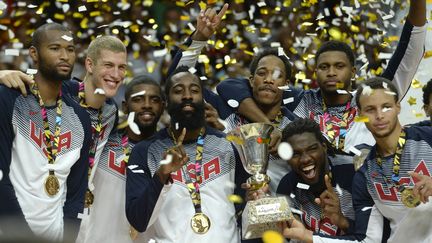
(410, 50)
(207, 23)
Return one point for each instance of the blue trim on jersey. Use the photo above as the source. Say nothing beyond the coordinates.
(10, 210)
(399, 53)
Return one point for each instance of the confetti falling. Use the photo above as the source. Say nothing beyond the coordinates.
(167, 160)
(235, 198)
(285, 151)
(132, 125)
(412, 101)
(99, 91)
(271, 236)
(141, 93)
(303, 186)
(361, 119)
(233, 103)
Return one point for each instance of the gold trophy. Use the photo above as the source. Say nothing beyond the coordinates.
(252, 141)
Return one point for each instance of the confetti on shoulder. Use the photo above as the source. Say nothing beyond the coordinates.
(31, 71)
(285, 87)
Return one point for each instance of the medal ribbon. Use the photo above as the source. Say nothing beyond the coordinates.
(343, 126)
(50, 147)
(396, 160)
(193, 184)
(97, 127)
(126, 148)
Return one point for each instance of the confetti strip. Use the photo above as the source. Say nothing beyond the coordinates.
(138, 171)
(31, 71)
(386, 109)
(167, 160)
(82, 8)
(141, 93)
(67, 38)
(355, 151)
(366, 209)
(1, 175)
(11, 52)
(132, 167)
(288, 100)
(132, 125)
(341, 91)
(361, 119)
(303, 186)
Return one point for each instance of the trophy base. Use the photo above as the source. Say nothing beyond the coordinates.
(264, 214)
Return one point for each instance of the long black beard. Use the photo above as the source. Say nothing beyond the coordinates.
(51, 73)
(189, 120)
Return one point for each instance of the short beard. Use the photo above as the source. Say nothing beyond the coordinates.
(189, 120)
(51, 73)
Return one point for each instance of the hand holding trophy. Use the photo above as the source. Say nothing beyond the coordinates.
(252, 142)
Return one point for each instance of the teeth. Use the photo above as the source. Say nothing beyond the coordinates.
(310, 167)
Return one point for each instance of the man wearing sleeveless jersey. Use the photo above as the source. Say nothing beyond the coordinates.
(391, 190)
(45, 140)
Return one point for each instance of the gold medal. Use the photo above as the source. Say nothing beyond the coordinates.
(89, 198)
(408, 198)
(52, 184)
(200, 223)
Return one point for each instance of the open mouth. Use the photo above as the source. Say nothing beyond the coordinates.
(147, 116)
(188, 108)
(309, 172)
(111, 84)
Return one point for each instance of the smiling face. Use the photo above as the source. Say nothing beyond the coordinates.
(148, 107)
(309, 157)
(382, 110)
(269, 75)
(334, 67)
(55, 57)
(108, 71)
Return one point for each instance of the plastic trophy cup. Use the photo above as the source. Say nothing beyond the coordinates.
(252, 141)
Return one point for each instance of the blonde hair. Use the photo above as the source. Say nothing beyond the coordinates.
(106, 42)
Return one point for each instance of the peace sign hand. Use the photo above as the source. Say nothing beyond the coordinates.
(423, 186)
(329, 202)
(174, 158)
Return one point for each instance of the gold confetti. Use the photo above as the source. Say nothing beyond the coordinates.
(361, 119)
(428, 54)
(340, 85)
(412, 101)
(235, 198)
(416, 84)
(202, 5)
(271, 236)
(59, 16)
